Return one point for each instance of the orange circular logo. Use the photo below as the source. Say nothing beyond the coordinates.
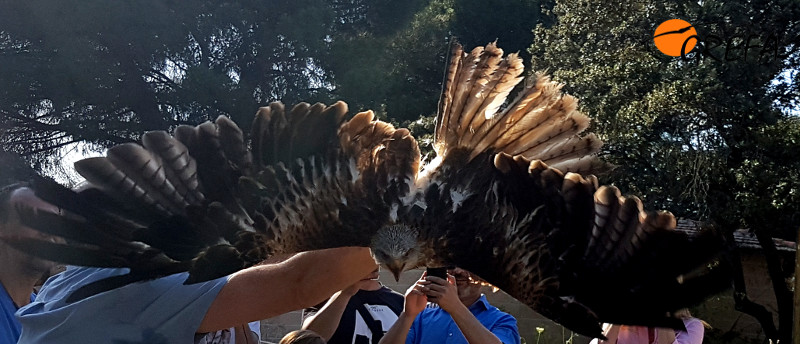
(675, 37)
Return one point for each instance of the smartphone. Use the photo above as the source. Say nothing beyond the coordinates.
(438, 272)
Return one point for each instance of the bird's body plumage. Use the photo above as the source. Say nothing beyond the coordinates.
(508, 197)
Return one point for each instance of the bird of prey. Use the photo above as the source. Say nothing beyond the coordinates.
(509, 197)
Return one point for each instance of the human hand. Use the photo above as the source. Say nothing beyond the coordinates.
(415, 299)
(443, 292)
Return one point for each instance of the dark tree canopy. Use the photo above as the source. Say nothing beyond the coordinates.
(104, 72)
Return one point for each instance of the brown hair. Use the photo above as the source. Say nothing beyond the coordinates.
(302, 337)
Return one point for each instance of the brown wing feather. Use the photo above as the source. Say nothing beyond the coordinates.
(538, 123)
(496, 202)
(446, 100)
(312, 181)
(179, 168)
(575, 252)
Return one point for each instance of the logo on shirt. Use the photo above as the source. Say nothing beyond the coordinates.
(381, 314)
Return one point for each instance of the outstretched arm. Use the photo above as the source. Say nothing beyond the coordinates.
(264, 291)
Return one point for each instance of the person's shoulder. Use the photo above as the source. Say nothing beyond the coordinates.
(384, 290)
(89, 274)
(65, 283)
(692, 322)
(393, 299)
(382, 293)
(391, 292)
(485, 305)
(72, 278)
(494, 311)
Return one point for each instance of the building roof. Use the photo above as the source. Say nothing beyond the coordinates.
(745, 239)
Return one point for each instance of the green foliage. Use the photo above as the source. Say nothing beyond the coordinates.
(709, 137)
(423, 129)
(679, 130)
(397, 69)
(390, 70)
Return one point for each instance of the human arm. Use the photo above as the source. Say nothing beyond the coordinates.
(245, 335)
(304, 280)
(325, 321)
(666, 335)
(415, 302)
(610, 332)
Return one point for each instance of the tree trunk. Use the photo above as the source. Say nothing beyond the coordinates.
(796, 320)
(743, 303)
(782, 294)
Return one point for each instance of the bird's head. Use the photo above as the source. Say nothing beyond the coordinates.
(395, 247)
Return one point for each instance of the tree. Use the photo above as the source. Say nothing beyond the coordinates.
(396, 66)
(704, 136)
(105, 72)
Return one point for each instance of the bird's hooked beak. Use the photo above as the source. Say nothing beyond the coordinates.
(396, 268)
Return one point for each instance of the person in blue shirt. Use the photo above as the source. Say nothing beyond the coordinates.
(463, 314)
(19, 271)
(165, 310)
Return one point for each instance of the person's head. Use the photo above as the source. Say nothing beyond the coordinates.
(302, 337)
(12, 198)
(683, 313)
(469, 286)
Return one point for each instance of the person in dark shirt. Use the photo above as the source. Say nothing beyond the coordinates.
(359, 314)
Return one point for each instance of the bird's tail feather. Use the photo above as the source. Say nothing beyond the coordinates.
(540, 123)
(636, 269)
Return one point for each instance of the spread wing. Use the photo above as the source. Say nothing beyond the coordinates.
(497, 202)
(207, 201)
